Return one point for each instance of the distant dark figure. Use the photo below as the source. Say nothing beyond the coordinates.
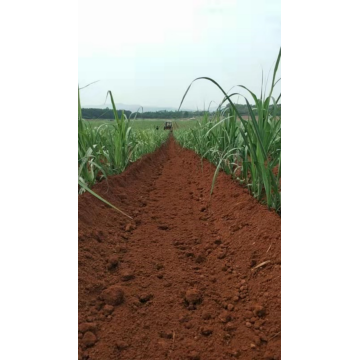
(157, 128)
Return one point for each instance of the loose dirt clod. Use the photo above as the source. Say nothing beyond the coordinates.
(83, 328)
(268, 356)
(89, 339)
(230, 326)
(257, 340)
(143, 298)
(113, 262)
(206, 331)
(129, 227)
(108, 309)
(225, 317)
(258, 310)
(207, 316)
(113, 295)
(127, 275)
(163, 227)
(193, 296)
(121, 345)
(166, 334)
(200, 259)
(194, 355)
(248, 314)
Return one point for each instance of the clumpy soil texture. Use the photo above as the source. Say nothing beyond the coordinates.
(190, 277)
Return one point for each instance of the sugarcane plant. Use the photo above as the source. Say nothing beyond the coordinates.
(249, 149)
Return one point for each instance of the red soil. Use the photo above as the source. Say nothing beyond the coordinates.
(183, 279)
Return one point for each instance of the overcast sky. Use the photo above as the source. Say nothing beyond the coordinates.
(148, 51)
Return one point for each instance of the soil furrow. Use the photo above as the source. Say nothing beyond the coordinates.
(182, 279)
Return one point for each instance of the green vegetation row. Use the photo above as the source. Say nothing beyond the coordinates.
(248, 149)
(109, 148)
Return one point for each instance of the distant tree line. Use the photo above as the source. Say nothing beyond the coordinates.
(243, 109)
(102, 113)
(163, 114)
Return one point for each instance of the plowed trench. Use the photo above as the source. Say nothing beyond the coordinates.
(190, 277)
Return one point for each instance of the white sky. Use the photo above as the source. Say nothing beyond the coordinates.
(148, 51)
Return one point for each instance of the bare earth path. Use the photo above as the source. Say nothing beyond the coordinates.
(182, 279)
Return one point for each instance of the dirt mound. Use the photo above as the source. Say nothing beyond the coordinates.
(188, 277)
